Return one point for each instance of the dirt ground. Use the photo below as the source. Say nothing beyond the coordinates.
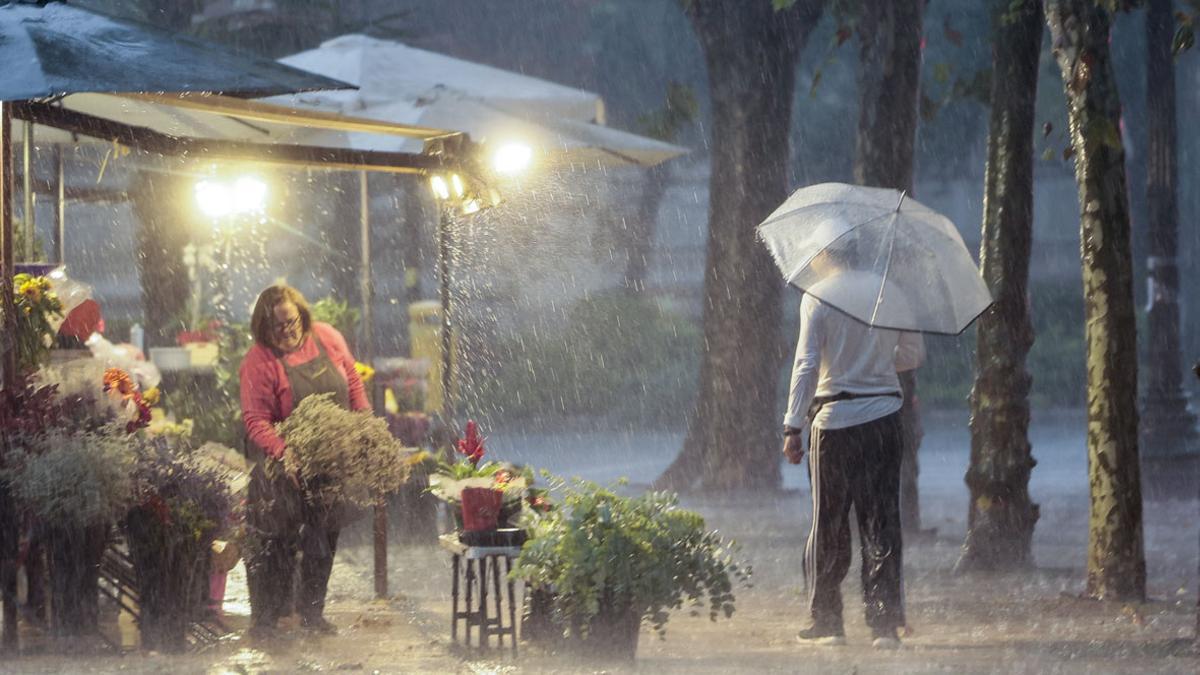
(1034, 623)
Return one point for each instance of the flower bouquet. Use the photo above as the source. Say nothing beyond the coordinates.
(78, 484)
(482, 496)
(179, 506)
(343, 457)
(95, 396)
(37, 309)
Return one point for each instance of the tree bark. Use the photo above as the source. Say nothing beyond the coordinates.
(1001, 516)
(162, 232)
(751, 51)
(1116, 561)
(1168, 427)
(889, 85)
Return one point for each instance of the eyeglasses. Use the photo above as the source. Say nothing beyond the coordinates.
(286, 326)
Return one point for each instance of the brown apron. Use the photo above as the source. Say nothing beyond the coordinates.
(276, 506)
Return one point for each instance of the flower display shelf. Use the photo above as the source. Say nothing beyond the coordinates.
(473, 569)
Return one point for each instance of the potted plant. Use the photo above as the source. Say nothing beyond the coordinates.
(481, 495)
(78, 484)
(601, 563)
(178, 509)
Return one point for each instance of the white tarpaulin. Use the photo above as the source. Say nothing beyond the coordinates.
(405, 85)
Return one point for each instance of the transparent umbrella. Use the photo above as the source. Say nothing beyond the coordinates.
(877, 255)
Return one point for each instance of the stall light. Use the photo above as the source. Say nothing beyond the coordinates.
(457, 183)
(214, 198)
(512, 158)
(249, 195)
(471, 206)
(440, 189)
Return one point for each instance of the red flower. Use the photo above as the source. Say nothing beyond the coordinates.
(539, 503)
(472, 444)
(502, 477)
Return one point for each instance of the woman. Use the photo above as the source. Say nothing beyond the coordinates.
(293, 357)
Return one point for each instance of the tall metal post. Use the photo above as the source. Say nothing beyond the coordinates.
(60, 208)
(366, 348)
(444, 246)
(8, 519)
(29, 221)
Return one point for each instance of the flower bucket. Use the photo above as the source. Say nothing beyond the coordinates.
(481, 508)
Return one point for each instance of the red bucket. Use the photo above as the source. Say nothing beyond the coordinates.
(481, 508)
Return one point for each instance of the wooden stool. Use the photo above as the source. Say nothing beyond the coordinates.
(472, 565)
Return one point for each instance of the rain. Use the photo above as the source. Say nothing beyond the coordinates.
(514, 336)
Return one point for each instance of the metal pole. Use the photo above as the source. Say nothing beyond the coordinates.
(60, 208)
(29, 225)
(8, 520)
(366, 348)
(444, 233)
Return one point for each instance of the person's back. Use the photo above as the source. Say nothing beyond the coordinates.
(854, 360)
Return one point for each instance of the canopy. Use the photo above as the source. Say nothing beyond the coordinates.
(386, 70)
(495, 107)
(52, 48)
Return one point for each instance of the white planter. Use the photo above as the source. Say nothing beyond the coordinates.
(171, 358)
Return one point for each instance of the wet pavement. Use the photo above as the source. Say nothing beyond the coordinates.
(1032, 623)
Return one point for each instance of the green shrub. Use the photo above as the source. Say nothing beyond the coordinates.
(644, 553)
(1056, 359)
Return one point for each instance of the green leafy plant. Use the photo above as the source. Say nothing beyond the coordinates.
(599, 549)
(215, 410)
(336, 313)
(343, 455)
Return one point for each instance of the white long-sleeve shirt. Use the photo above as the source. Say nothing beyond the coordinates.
(835, 354)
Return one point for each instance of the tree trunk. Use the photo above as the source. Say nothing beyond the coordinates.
(159, 201)
(889, 83)
(1168, 428)
(751, 51)
(1000, 516)
(1116, 562)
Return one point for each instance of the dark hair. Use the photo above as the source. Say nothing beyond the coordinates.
(262, 320)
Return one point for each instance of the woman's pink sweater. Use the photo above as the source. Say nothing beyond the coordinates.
(267, 396)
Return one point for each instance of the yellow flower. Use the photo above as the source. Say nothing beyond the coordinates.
(365, 372)
(150, 396)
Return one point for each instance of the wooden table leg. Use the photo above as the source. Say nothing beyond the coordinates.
(484, 628)
(454, 570)
(470, 610)
(499, 602)
(512, 603)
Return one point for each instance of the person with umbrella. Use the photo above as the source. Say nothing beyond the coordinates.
(876, 271)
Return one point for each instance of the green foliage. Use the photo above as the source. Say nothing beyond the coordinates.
(678, 111)
(75, 479)
(336, 313)
(1056, 359)
(644, 550)
(215, 409)
(617, 354)
(343, 455)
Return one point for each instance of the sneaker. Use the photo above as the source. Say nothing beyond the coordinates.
(827, 636)
(885, 638)
(318, 625)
